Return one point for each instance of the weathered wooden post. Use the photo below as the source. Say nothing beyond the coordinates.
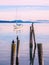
(34, 44)
(40, 54)
(31, 45)
(13, 46)
(17, 50)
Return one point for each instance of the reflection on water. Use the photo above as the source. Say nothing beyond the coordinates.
(5, 48)
(5, 54)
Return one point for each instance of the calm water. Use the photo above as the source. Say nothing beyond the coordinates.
(5, 46)
(5, 54)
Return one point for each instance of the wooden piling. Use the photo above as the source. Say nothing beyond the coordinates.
(40, 54)
(31, 45)
(17, 51)
(33, 33)
(12, 52)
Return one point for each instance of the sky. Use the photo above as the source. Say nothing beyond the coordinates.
(24, 12)
(24, 9)
(24, 2)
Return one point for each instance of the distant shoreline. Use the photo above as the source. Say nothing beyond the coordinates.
(21, 21)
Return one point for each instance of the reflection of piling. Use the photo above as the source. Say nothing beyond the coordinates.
(17, 51)
(12, 52)
(40, 54)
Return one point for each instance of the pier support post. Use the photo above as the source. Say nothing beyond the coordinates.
(17, 51)
(13, 46)
(40, 54)
(31, 45)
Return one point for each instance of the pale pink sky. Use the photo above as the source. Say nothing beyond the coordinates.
(33, 15)
(7, 15)
(24, 2)
(25, 15)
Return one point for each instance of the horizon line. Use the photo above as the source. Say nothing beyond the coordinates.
(21, 21)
